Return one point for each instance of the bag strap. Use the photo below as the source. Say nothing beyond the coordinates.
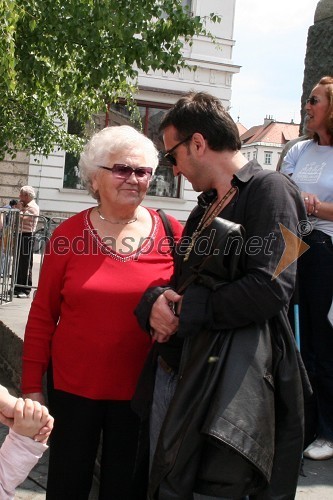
(167, 228)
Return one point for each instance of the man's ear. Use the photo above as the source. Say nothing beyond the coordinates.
(199, 142)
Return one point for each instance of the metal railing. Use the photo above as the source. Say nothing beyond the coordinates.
(12, 249)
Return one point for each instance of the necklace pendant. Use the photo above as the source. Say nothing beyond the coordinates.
(190, 248)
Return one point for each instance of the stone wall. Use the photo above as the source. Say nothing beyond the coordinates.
(319, 51)
(13, 175)
(10, 355)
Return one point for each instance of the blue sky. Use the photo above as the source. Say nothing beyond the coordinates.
(270, 46)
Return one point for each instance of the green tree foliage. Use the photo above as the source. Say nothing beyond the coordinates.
(75, 56)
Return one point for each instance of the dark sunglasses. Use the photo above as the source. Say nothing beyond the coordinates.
(312, 100)
(122, 171)
(168, 154)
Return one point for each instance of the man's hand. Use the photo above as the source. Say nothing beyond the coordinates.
(163, 319)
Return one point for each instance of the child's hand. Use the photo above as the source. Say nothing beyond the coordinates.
(32, 419)
(47, 426)
(7, 405)
(45, 431)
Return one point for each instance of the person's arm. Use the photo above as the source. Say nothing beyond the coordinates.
(30, 209)
(18, 455)
(272, 203)
(35, 396)
(32, 420)
(42, 321)
(163, 317)
(313, 205)
(324, 211)
(317, 208)
(155, 311)
(28, 418)
(7, 405)
(20, 452)
(293, 154)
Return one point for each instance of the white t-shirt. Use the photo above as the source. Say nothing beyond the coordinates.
(311, 168)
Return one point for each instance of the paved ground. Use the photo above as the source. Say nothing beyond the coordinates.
(34, 487)
(315, 484)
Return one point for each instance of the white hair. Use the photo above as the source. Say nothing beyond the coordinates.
(112, 141)
(29, 190)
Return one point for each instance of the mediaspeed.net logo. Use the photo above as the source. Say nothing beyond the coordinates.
(294, 245)
(204, 246)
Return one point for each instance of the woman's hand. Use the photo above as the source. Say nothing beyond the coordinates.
(163, 319)
(311, 202)
(35, 396)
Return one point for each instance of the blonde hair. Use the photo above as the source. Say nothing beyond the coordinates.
(327, 81)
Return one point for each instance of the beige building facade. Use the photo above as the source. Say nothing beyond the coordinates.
(56, 178)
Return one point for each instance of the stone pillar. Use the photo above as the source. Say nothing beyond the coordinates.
(13, 175)
(319, 49)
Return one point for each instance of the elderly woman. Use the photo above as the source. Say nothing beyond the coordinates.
(81, 324)
(310, 163)
(29, 211)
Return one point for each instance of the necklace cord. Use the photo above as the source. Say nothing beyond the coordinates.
(115, 222)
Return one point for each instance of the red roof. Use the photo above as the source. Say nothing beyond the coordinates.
(273, 132)
(241, 128)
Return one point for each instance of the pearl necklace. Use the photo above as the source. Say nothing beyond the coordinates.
(118, 222)
(207, 219)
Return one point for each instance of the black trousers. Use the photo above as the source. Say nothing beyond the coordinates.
(74, 442)
(315, 270)
(25, 262)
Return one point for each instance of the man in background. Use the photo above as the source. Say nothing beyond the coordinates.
(29, 211)
(11, 204)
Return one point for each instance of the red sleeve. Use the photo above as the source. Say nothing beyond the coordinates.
(43, 317)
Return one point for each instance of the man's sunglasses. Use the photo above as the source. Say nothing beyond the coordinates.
(168, 154)
(122, 171)
(312, 100)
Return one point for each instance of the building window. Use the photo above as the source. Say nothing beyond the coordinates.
(71, 171)
(187, 3)
(148, 120)
(268, 158)
(187, 6)
(248, 155)
(255, 155)
(163, 183)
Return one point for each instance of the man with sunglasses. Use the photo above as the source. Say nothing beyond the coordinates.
(202, 144)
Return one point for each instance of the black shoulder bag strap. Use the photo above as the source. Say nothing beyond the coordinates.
(168, 229)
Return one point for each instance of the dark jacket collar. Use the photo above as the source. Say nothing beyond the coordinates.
(246, 173)
(243, 176)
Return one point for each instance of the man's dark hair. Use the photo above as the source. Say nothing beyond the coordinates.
(12, 203)
(204, 113)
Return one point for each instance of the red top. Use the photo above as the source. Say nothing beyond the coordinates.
(82, 315)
